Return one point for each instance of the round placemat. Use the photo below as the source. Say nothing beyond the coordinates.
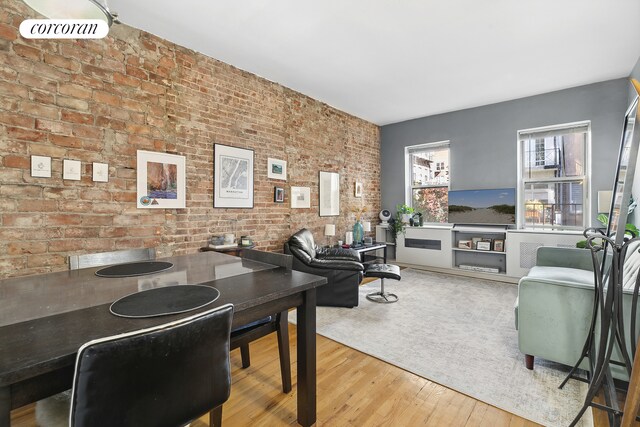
(163, 301)
(134, 269)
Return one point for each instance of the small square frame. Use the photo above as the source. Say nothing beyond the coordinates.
(41, 166)
(300, 197)
(71, 170)
(278, 194)
(276, 169)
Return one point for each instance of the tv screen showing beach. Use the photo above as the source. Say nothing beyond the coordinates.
(483, 206)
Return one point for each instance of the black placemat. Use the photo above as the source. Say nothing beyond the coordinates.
(163, 301)
(134, 269)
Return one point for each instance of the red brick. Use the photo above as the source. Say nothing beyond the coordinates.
(39, 110)
(20, 162)
(8, 33)
(45, 260)
(22, 248)
(76, 117)
(26, 134)
(53, 126)
(21, 220)
(121, 79)
(66, 246)
(73, 103)
(27, 51)
(74, 90)
(12, 89)
(62, 62)
(106, 98)
(65, 141)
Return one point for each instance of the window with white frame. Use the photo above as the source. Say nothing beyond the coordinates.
(428, 180)
(553, 169)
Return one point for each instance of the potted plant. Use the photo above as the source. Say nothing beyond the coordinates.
(404, 212)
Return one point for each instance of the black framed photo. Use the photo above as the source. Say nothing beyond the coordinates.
(233, 177)
(278, 194)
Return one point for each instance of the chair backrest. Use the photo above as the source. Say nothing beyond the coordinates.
(107, 258)
(273, 258)
(162, 376)
(303, 242)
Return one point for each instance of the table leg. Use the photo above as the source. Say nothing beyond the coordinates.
(5, 407)
(306, 316)
(385, 254)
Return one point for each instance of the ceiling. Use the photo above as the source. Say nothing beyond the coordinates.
(388, 61)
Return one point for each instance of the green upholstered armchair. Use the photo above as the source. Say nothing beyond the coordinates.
(555, 303)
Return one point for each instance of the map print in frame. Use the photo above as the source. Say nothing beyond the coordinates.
(233, 177)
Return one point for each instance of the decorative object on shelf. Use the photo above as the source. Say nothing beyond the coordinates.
(358, 233)
(329, 194)
(216, 240)
(464, 244)
(41, 167)
(246, 241)
(385, 216)
(71, 170)
(498, 245)
(329, 231)
(278, 194)
(358, 189)
(232, 177)
(475, 241)
(276, 169)
(300, 197)
(100, 172)
(483, 245)
(229, 238)
(404, 213)
(348, 238)
(161, 180)
(366, 227)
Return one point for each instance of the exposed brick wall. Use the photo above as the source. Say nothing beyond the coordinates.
(101, 100)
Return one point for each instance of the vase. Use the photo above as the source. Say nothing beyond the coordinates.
(358, 233)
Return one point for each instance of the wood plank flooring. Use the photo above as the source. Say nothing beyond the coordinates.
(354, 389)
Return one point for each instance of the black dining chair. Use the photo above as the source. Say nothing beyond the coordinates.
(167, 375)
(278, 322)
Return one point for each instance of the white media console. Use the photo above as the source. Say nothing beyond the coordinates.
(439, 247)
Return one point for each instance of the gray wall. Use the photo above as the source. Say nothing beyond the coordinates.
(484, 139)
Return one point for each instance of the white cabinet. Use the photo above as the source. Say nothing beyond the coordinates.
(428, 246)
(523, 244)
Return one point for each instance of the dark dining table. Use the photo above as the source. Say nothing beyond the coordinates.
(45, 318)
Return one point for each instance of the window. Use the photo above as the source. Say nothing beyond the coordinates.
(553, 170)
(428, 180)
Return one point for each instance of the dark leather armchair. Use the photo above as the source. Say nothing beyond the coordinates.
(341, 267)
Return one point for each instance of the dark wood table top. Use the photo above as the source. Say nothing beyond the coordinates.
(45, 318)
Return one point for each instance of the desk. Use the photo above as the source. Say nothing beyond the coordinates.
(362, 250)
(45, 318)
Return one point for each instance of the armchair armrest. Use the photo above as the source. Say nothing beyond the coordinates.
(550, 256)
(336, 264)
(338, 254)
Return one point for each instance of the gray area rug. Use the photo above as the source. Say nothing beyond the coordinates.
(460, 333)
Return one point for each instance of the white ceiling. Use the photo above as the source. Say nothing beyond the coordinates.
(387, 61)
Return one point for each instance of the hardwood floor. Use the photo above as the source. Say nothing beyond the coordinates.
(354, 389)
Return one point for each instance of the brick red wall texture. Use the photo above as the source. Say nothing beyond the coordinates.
(101, 100)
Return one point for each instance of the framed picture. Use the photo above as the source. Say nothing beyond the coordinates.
(72, 170)
(474, 242)
(278, 194)
(232, 177)
(483, 245)
(300, 197)
(276, 169)
(329, 194)
(161, 180)
(358, 189)
(498, 245)
(464, 244)
(41, 166)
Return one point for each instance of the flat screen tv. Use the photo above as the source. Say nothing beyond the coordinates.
(496, 206)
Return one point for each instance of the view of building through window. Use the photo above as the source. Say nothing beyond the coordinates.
(429, 169)
(553, 180)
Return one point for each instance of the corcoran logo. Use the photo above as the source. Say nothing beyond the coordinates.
(64, 29)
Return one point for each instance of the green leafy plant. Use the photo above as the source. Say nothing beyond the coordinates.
(630, 229)
(396, 225)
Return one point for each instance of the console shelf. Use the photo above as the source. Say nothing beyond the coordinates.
(490, 259)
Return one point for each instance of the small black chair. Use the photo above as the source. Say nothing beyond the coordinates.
(243, 335)
(167, 375)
